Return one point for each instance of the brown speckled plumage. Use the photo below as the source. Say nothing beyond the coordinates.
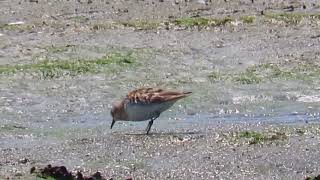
(145, 103)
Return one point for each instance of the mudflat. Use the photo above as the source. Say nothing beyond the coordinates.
(253, 68)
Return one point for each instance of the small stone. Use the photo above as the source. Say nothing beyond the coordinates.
(18, 174)
(24, 160)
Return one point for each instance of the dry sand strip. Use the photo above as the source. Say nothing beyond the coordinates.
(253, 68)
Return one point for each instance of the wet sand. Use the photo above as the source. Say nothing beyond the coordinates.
(253, 69)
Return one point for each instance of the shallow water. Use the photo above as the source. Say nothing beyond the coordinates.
(50, 119)
(174, 122)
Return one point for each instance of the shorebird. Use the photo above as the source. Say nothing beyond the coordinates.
(145, 104)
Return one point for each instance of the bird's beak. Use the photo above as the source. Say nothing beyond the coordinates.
(113, 121)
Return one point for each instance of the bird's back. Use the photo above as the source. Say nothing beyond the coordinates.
(146, 103)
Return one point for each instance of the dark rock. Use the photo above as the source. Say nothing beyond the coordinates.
(313, 178)
(32, 170)
(58, 172)
(315, 36)
(35, 1)
(289, 8)
(61, 172)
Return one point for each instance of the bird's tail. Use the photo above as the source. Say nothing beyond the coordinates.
(188, 93)
(179, 96)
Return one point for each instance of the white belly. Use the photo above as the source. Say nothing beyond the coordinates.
(142, 112)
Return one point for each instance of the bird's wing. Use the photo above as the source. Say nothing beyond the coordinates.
(154, 95)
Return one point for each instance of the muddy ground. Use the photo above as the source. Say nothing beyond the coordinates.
(253, 68)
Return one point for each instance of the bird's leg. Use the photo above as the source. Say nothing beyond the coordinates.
(149, 126)
(151, 122)
(113, 121)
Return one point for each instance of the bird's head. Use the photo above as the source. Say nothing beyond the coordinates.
(117, 112)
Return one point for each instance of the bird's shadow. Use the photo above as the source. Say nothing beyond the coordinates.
(159, 134)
